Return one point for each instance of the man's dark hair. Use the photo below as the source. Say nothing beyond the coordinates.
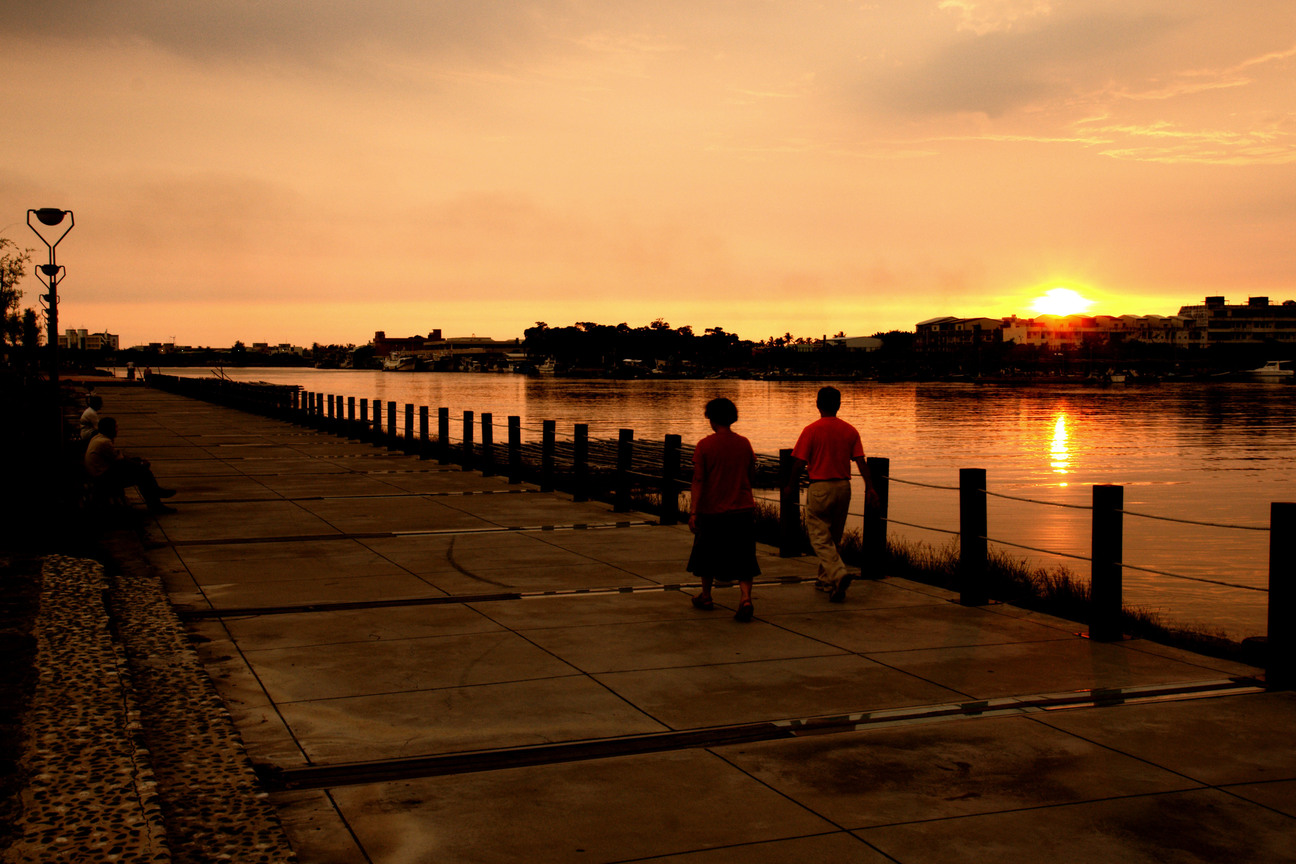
(828, 400)
(722, 411)
(107, 426)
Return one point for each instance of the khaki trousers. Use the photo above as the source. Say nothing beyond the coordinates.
(827, 503)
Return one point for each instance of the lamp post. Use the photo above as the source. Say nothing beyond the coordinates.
(52, 217)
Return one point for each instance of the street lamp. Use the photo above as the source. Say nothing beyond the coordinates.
(51, 217)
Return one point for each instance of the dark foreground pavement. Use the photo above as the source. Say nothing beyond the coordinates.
(425, 664)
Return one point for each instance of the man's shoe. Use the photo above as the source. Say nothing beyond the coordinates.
(838, 594)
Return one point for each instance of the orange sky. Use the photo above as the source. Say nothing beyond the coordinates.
(296, 171)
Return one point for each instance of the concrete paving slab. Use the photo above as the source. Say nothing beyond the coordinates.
(299, 465)
(425, 477)
(175, 470)
(461, 719)
(220, 487)
(327, 485)
(919, 624)
(1195, 826)
(316, 829)
(580, 610)
(358, 625)
(1277, 795)
(935, 771)
(398, 665)
(721, 694)
(635, 544)
(1249, 738)
(605, 810)
(334, 589)
(990, 671)
(250, 520)
(469, 552)
(550, 577)
(531, 509)
(225, 563)
(712, 638)
(403, 513)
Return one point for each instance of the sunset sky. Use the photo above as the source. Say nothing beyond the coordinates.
(315, 170)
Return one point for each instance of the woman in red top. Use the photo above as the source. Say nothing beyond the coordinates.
(722, 510)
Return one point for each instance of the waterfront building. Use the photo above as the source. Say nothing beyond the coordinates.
(1256, 322)
(950, 334)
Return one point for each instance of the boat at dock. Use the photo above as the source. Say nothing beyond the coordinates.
(400, 362)
(1274, 369)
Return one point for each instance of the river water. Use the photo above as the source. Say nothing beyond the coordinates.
(1215, 453)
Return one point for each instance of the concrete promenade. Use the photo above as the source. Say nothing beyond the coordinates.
(428, 665)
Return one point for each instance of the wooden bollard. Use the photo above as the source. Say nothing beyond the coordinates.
(363, 429)
(875, 517)
(670, 474)
(423, 432)
(488, 445)
(377, 421)
(409, 428)
(1105, 581)
(580, 463)
(789, 508)
(624, 459)
(351, 409)
(1280, 660)
(393, 443)
(469, 457)
(443, 436)
(548, 442)
(330, 408)
(973, 548)
(514, 449)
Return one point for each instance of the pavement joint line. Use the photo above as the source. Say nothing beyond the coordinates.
(278, 778)
(451, 599)
(439, 532)
(359, 497)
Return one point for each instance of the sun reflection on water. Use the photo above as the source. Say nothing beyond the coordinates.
(1059, 451)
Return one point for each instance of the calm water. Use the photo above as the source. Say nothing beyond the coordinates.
(1213, 453)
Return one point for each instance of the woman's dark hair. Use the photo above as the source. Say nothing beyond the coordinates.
(722, 411)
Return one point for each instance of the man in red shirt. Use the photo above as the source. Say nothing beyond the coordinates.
(826, 449)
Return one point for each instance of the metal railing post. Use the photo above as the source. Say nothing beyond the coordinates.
(487, 445)
(580, 462)
(973, 547)
(624, 459)
(515, 449)
(1105, 588)
(468, 457)
(1280, 661)
(548, 442)
(669, 514)
(789, 508)
(875, 518)
(443, 436)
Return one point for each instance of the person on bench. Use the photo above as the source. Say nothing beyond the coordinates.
(113, 471)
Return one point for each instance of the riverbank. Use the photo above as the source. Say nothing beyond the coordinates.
(429, 664)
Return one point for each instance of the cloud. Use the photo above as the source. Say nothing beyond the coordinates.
(1003, 71)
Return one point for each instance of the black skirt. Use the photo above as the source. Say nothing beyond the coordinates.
(724, 546)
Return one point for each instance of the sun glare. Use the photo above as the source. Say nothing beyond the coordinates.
(1061, 301)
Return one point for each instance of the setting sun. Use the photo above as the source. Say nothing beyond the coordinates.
(1061, 301)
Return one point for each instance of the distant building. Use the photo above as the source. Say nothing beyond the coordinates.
(1257, 322)
(1056, 332)
(947, 333)
(384, 345)
(83, 340)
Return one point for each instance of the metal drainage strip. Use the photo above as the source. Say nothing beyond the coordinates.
(277, 778)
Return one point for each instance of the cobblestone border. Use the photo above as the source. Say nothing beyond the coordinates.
(130, 753)
(90, 794)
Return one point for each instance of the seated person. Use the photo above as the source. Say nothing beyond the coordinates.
(90, 417)
(110, 467)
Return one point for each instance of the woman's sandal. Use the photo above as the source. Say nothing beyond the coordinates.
(745, 611)
(706, 604)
